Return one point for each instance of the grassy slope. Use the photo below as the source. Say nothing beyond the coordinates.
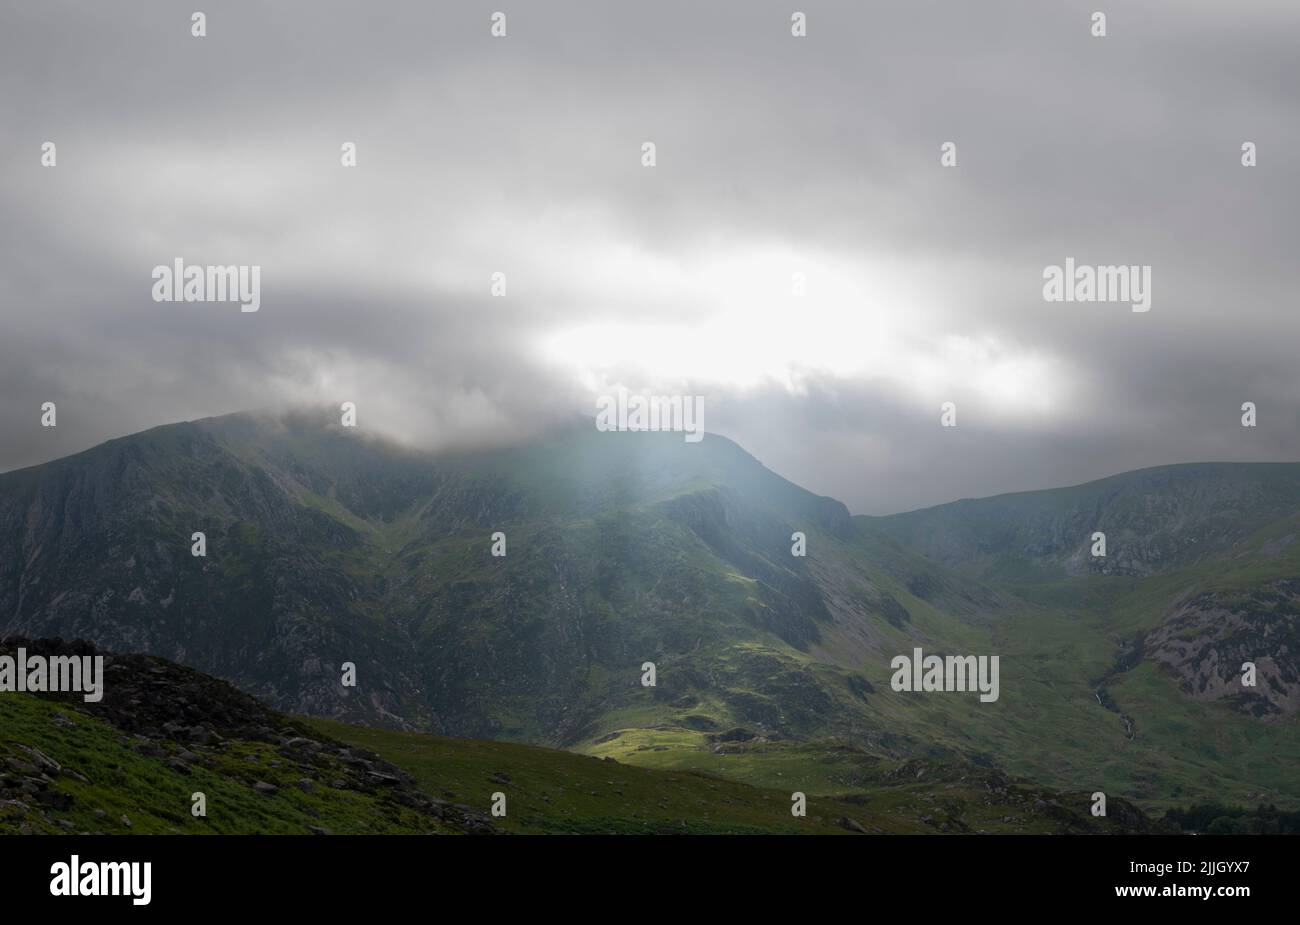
(156, 799)
(1048, 724)
(550, 791)
(1184, 749)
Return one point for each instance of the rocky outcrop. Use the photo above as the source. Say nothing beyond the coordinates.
(1209, 638)
(185, 719)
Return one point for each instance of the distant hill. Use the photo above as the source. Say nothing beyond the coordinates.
(1155, 520)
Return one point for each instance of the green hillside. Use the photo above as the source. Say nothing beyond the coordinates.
(550, 791)
(325, 548)
(138, 761)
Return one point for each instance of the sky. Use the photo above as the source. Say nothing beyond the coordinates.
(775, 155)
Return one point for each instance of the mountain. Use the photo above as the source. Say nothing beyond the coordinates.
(326, 548)
(1155, 520)
(1200, 573)
(323, 548)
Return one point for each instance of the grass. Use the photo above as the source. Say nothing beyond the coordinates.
(552, 791)
(121, 783)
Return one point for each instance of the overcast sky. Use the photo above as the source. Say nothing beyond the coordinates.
(776, 155)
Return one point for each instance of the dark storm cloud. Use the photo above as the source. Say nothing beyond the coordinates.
(775, 155)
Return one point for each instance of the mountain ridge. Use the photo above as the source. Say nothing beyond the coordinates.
(626, 548)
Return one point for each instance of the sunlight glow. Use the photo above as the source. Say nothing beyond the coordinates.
(866, 321)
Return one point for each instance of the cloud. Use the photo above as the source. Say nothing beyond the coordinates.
(776, 156)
